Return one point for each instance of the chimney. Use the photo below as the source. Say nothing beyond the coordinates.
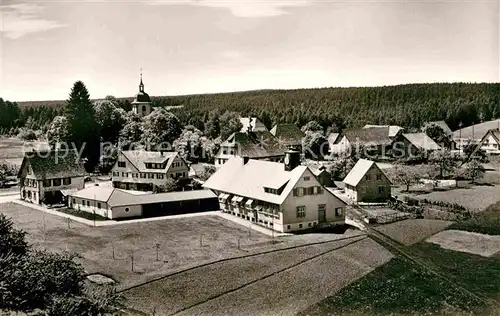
(292, 159)
(245, 159)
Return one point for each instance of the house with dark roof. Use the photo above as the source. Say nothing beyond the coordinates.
(284, 197)
(288, 135)
(491, 141)
(255, 145)
(116, 203)
(143, 170)
(44, 175)
(375, 140)
(413, 145)
(366, 182)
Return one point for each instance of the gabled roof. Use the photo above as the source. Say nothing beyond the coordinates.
(53, 164)
(246, 121)
(421, 141)
(393, 129)
(493, 132)
(255, 144)
(441, 124)
(334, 138)
(139, 158)
(370, 135)
(359, 171)
(249, 179)
(288, 134)
(97, 193)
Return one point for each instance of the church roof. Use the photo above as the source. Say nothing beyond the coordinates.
(142, 97)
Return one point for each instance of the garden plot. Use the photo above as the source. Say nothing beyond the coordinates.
(475, 198)
(411, 231)
(475, 243)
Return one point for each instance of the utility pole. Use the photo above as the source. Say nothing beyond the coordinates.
(157, 246)
(132, 259)
(460, 124)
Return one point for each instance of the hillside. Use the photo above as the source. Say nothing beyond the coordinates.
(406, 105)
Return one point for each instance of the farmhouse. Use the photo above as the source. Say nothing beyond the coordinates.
(255, 145)
(491, 141)
(252, 124)
(115, 203)
(412, 145)
(142, 102)
(143, 170)
(375, 140)
(43, 175)
(282, 196)
(367, 183)
(288, 135)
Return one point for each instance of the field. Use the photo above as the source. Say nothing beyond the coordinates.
(403, 288)
(475, 243)
(278, 283)
(12, 150)
(411, 231)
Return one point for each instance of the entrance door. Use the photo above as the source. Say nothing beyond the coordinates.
(322, 213)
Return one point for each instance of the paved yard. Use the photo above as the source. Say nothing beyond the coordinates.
(411, 231)
(278, 283)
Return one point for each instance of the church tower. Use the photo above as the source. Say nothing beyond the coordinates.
(142, 102)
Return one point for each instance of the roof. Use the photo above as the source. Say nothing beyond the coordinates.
(255, 144)
(54, 164)
(370, 135)
(334, 138)
(142, 97)
(117, 197)
(479, 130)
(246, 121)
(495, 133)
(441, 124)
(247, 179)
(421, 141)
(393, 129)
(139, 158)
(358, 171)
(288, 134)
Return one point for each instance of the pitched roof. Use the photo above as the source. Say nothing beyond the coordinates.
(249, 179)
(495, 133)
(359, 170)
(334, 138)
(421, 141)
(54, 164)
(441, 124)
(246, 121)
(370, 135)
(139, 158)
(393, 129)
(288, 134)
(97, 193)
(255, 144)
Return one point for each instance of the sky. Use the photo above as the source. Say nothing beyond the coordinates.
(207, 46)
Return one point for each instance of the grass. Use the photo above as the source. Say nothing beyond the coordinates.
(82, 214)
(487, 222)
(401, 287)
(411, 231)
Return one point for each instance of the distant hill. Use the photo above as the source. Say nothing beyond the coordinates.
(479, 130)
(408, 105)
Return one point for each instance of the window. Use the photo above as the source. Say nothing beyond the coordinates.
(367, 177)
(47, 183)
(321, 207)
(300, 225)
(67, 181)
(98, 205)
(29, 194)
(123, 174)
(122, 164)
(127, 210)
(57, 182)
(307, 178)
(74, 201)
(310, 191)
(143, 108)
(35, 183)
(133, 175)
(309, 224)
(338, 211)
(224, 152)
(301, 211)
(381, 189)
(288, 227)
(88, 203)
(320, 190)
(304, 191)
(379, 177)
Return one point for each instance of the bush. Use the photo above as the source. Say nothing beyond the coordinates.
(27, 134)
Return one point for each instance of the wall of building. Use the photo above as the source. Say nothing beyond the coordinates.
(368, 189)
(289, 208)
(490, 144)
(125, 211)
(88, 205)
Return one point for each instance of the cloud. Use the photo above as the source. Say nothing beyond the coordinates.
(18, 20)
(242, 8)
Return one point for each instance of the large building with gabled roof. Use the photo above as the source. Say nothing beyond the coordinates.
(143, 170)
(289, 135)
(366, 182)
(284, 197)
(45, 174)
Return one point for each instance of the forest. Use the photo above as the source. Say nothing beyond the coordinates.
(407, 105)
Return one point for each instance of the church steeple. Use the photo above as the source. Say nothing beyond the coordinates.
(141, 85)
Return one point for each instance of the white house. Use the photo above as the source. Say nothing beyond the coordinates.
(115, 203)
(366, 182)
(252, 124)
(282, 196)
(142, 170)
(43, 175)
(491, 141)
